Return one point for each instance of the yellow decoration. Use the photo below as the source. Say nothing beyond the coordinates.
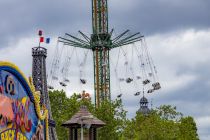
(39, 108)
(24, 100)
(41, 111)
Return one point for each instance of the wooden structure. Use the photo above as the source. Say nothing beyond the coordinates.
(85, 119)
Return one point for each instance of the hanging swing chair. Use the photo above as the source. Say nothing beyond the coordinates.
(50, 87)
(63, 84)
(146, 81)
(119, 96)
(83, 81)
(150, 90)
(82, 67)
(137, 93)
(156, 86)
(129, 80)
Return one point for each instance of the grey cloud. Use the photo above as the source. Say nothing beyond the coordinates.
(158, 16)
(22, 18)
(198, 90)
(196, 93)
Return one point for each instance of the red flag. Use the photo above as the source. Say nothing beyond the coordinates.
(41, 39)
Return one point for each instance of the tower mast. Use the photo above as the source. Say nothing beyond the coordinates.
(99, 16)
(100, 41)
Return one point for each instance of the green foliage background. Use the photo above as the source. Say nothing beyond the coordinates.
(163, 123)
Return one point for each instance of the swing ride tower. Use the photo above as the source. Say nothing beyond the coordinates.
(100, 42)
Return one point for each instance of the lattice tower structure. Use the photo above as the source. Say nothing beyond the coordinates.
(40, 82)
(100, 41)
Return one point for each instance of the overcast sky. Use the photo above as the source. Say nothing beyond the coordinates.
(177, 33)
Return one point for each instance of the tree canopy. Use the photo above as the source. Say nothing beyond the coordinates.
(162, 123)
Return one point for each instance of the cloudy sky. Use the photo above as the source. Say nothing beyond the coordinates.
(177, 33)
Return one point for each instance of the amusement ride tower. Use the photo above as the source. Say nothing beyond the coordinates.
(100, 42)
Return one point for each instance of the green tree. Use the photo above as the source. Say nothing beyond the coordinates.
(188, 129)
(167, 112)
(113, 114)
(59, 115)
(63, 108)
(162, 123)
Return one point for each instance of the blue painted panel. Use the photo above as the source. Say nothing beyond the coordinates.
(18, 119)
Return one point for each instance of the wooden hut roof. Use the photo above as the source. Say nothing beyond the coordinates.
(75, 121)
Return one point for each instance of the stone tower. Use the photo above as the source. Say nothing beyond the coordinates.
(40, 82)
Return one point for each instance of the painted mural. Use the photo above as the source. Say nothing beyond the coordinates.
(21, 115)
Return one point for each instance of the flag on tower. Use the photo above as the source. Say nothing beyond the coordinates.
(47, 41)
(41, 39)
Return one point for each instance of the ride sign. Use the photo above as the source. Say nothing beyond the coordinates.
(21, 115)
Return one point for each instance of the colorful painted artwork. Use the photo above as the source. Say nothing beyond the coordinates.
(21, 116)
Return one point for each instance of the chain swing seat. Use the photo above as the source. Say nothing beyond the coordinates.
(50, 87)
(63, 84)
(147, 81)
(137, 93)
(150, 90)
(83, 81)
(156, 86)
(129, 80)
